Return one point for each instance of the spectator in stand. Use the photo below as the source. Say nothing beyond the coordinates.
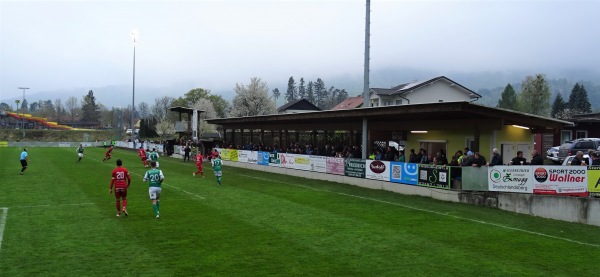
(401, 157)
(459, 156)
(441, 157)
(413, 157)
(468, 160)
(423, 154)
(478, 160)
(496, 158)
(454, 161)
(590, 160)
(391, 154)
(430, 159)
(595, 159)
(518, 160)
(536, 158)
(578, 159)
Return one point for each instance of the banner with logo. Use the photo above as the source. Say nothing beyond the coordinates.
(243, 156)
(561, 180)
(274, 159)
(437, 176)
(354, 168)
(301, 162)
(510, 179)
(318, 164)
(263, 158)
(335, 165)
(377, 170)
(286, 160)
(594, 181)
(405, 173)
(253, 157)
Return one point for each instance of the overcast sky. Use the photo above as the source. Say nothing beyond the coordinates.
(55, 45)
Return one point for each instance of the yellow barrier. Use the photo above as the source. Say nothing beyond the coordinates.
(3, 143)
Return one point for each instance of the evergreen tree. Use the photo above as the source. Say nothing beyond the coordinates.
(301, 89)
(578, 100)
(276, 94)
(24, 105)
(535, 96)
(89, 108)
(508, 100)
(320, 93)
(558, 106)
(310, 92)
(290, 94)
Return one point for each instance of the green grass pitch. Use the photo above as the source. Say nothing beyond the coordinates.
(59, 220)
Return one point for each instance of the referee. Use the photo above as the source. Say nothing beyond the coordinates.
(24, 160)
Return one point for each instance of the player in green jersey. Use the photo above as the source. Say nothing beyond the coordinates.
(154, 157)
(154, 177)
(80, 151)
(217, 164)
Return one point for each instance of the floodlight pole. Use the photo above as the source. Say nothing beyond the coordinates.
(133, 34)
(366, 100)
(22, 118)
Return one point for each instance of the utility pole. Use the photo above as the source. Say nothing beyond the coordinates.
(22, 117)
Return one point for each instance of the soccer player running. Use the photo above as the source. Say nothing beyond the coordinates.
(217, 164)
(199, 160)
(142, 154)
(154, 157)
(24, 160)
(108, 154)
(154, 177)
(80, 151)
(121, 181)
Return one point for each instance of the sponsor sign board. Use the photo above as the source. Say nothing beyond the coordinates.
(436, 176)
(243, 156)
(405, 173)
(253, 157)
(335, 165)
(594, 180)
(318, 163)
(301, 162)
(510, 179)
(262, 158)
(274, 159)
(561, 180)
(377, 170)
(354, 168)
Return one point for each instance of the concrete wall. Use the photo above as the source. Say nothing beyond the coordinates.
(571, 209)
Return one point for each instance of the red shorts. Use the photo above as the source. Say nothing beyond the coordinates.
(120, 192)
(144, 158)
(108, 155)
(199, 166)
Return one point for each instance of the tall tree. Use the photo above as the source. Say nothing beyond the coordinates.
(558, 106)
(71, 105)
(508, 99)
(192, 96)
(89, 108)
(143, 110)
(222, 106)
(276, 94)
(5, 107)
(301, 89)
(24, 105)
(160, 109)
(320, 93)
(535, 96)
(578, 100)
(58, 107)
(252, 99)
(310, 92)
(290, 94)
(165, 129)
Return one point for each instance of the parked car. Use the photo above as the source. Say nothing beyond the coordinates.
(570, 148)
(552, 154)
(569, 159)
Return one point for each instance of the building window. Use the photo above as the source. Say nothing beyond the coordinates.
(581, 134)
(399, 102)
(565, 135)
(387, 103)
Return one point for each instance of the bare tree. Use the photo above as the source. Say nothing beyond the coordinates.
(143, 110)
(58, 107)
(72, 106)
(160, 110)
(165, 128)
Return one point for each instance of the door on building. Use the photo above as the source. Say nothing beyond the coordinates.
(508, 152)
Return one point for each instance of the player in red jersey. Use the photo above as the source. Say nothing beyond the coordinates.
(199, 160)
(121, 181)
(142, 154)
(108, 154)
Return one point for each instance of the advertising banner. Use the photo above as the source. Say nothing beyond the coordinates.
(335, 165)
(510, 179)
(225, 154)
(354, 168)
(437, 176)
(243, 156)
(286, 160)
(274, 159)
(229, 155)
(405, 173)
(318, 164)
(301, 162)
(263, 158)
(594, 181)
(253, 157)
(377, 170)
(560, 180)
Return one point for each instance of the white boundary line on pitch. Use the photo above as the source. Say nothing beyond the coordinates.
(433, 212)
(3, 224)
